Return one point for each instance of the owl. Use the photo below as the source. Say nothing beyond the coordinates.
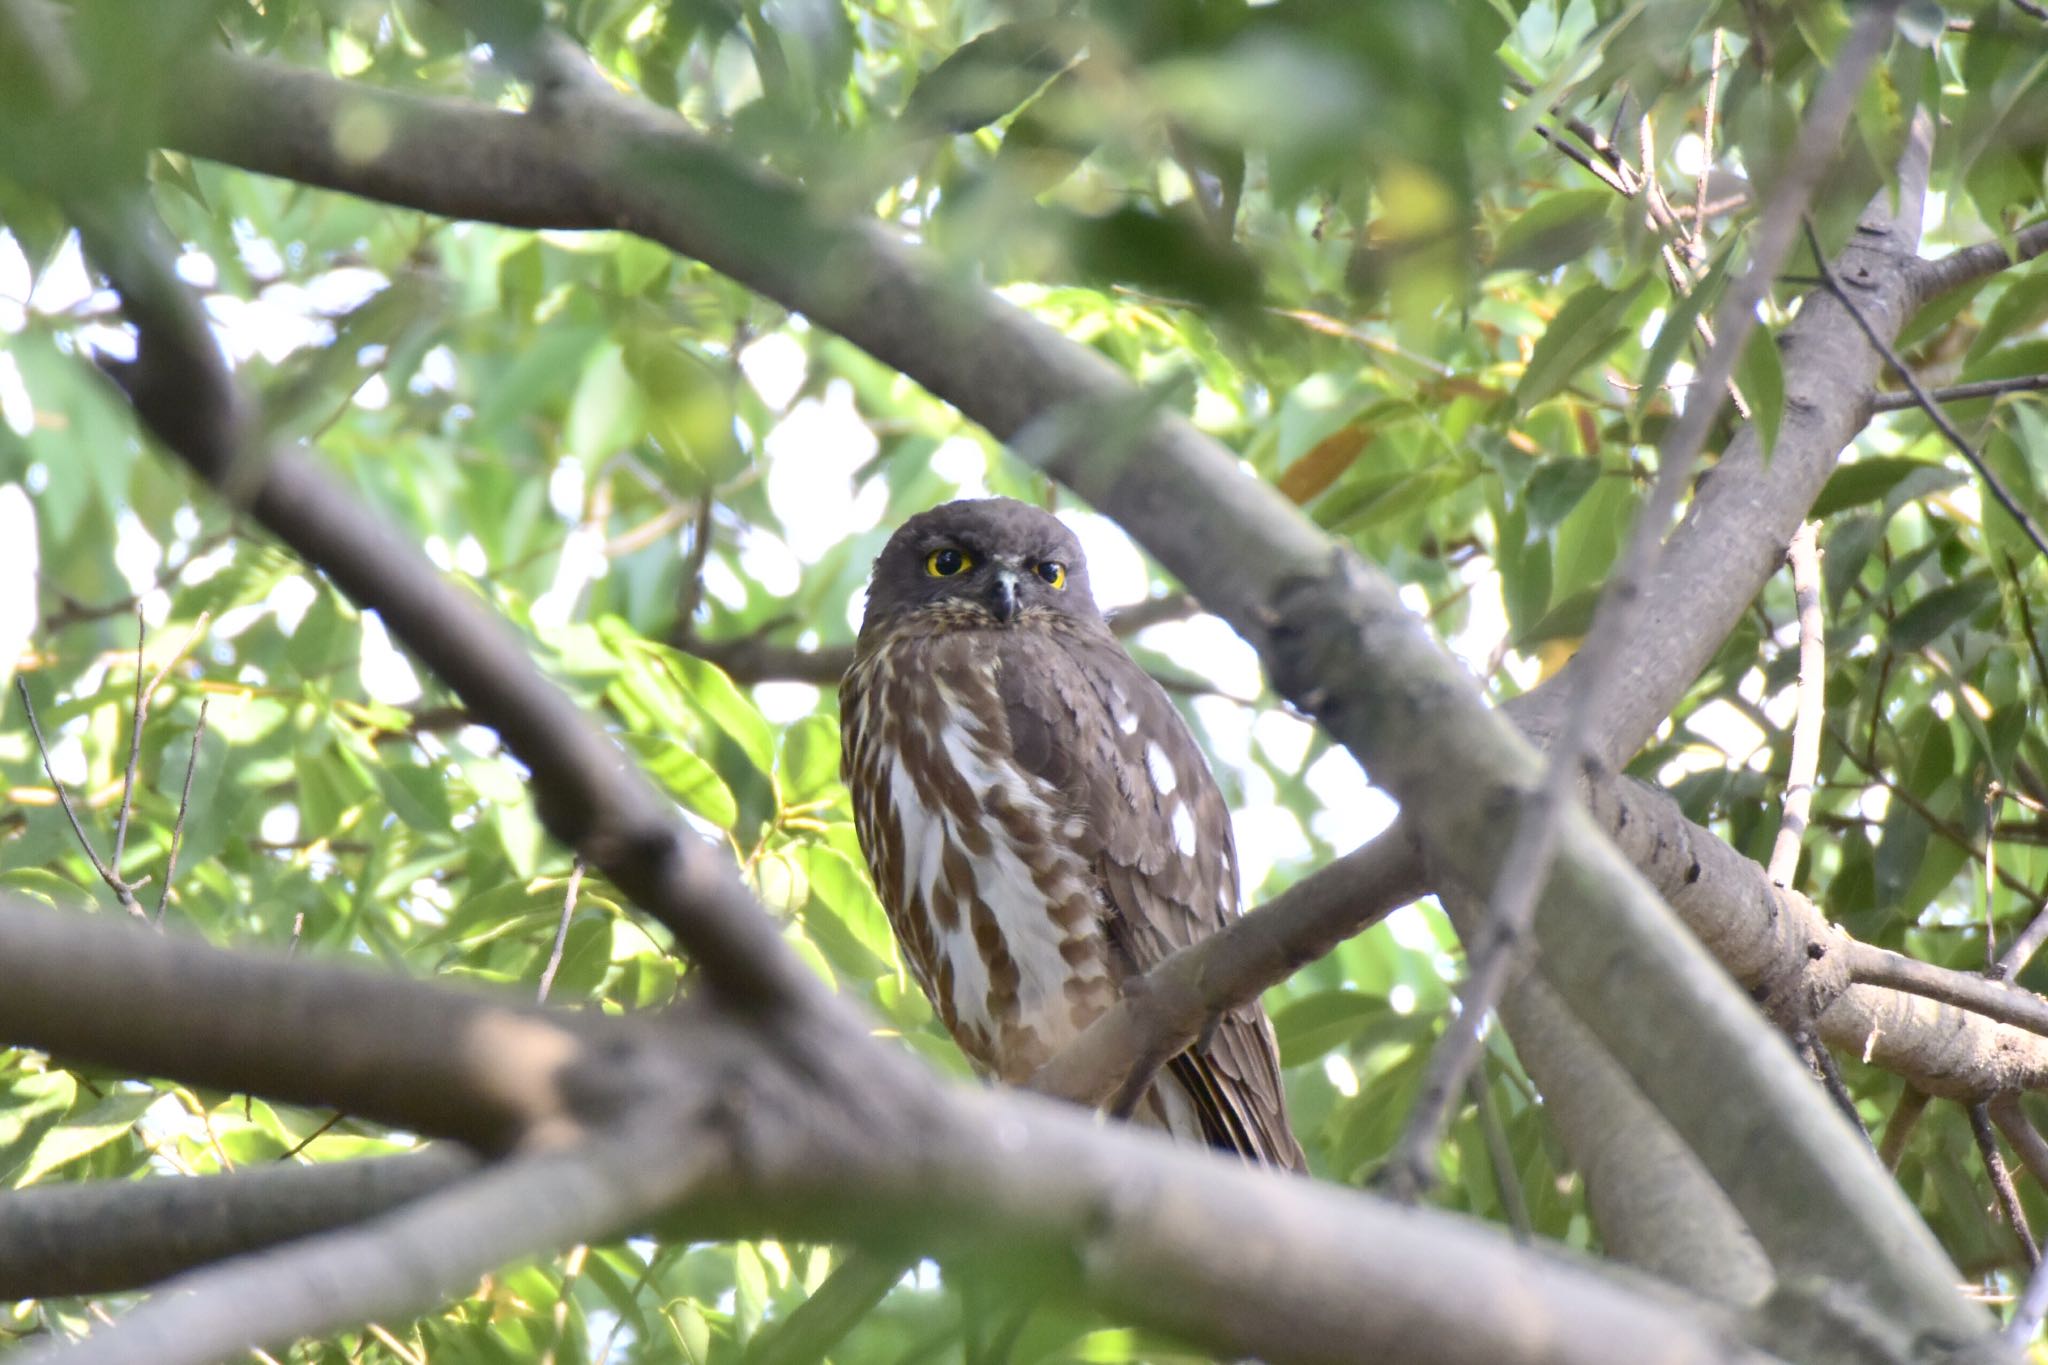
(1039, 822)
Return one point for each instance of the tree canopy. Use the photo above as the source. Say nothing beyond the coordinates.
(411, 407)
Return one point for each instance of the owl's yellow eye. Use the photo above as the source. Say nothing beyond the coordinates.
(1052, 571)
(948, 562)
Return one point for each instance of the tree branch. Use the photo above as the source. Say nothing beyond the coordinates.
(1513, 897)
(1971, 263)
(105, 991)
(1156, 1234)
(403, 1262)
(1873, 966)
(1894, 400)
(588, 796)
(112, 1235)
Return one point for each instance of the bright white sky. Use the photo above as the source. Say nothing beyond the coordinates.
(811, 456)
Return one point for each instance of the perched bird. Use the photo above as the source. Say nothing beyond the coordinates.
(1040, 824)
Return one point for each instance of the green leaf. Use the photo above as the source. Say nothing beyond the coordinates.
(991, 74)
(82, 1134)
(1555, 229)
(751, 1280)
(1585, 329)
(1312, 1025)
(686, 777)
(32, 1105)
(608, 412)
(730, 709)
(1869, 478)
(418, 796)
(844, 913)
(810, 760)
(1681, 323)
(1556, 487)
(1940, 611)
(1761, 377)
(2023, 306)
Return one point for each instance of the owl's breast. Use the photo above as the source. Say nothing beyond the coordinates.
(974, 856)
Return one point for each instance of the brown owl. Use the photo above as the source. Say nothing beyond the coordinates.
(1040, 824)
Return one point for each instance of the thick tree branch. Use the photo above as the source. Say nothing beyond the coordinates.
(1186, 1241)
(1512, 898)
(111, 1235)
(96, 990)
(404, 1262)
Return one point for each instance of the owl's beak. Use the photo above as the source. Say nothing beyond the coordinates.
(1002, 595)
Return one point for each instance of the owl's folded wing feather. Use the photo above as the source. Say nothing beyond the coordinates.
(1084, 717)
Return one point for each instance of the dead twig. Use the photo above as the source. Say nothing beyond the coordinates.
(184, 803)
(547, 975)
(1804, 556)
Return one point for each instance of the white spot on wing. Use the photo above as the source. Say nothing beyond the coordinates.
(1120, 707)
(1183, 829)
(1160, 766)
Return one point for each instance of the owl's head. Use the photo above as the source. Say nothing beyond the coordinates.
(987, 561)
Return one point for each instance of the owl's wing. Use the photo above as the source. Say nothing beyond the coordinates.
(1088, 720)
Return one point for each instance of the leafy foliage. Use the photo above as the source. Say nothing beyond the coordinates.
(1334, 236)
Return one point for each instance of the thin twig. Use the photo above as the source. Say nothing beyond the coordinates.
(1991, 802)
(1500, 1154)
(1892, 400)
(1695, 239)
(184, 802)
(141, 710)
(309, 1139)
(2001, 1182)
(690, 593)
(547, 975)
(64, 800)
(1606, 174)
(1926, 400)
(1526, 868)
(1588, 134)
(1868, 765)
(2039, 11)
(2040, 656)
(1822, 1063)
(1804, 556)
